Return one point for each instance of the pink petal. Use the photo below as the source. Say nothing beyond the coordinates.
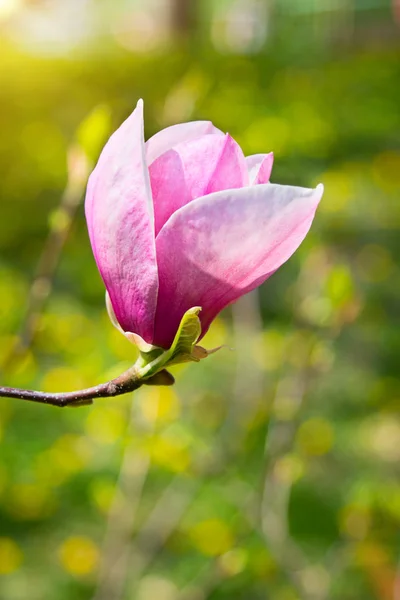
(168, 187)
(176, 134)
(221, 246)
(212, 163)
(120, 221)
(259, 167)
(192, 169)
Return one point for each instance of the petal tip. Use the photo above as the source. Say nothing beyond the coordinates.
(140, 109)
(320, 190)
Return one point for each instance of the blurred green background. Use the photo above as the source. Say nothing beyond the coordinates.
(269, 471)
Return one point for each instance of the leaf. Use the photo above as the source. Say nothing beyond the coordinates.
(153, 359)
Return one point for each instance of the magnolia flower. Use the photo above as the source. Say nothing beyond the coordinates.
(186, 220)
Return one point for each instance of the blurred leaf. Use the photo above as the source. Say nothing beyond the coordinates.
(93, 131)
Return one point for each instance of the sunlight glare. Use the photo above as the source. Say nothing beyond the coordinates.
(8, 7)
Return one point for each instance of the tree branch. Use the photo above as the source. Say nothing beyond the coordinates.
(127, 382)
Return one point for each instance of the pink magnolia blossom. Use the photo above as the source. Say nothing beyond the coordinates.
(184, 220)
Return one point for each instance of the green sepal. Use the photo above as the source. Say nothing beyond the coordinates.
(182, 350)
(186, 337)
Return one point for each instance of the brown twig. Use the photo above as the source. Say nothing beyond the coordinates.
(128, 381)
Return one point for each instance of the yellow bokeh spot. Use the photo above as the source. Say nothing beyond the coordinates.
(62, 378)
(381, 436)
(339, 284)
(233, 562)
(339, 190)
(286, 406)
(317, 310)
(122, 348)
(216, 336)
(10, 556)
(106, 425)
(102, 493)
(274, 129)
(157, 588)
(389, 499)
(289, 468)
(355, 521)
(315, 437)
(92, 131)
(298, 348)
(371, 554)
(59, 220)
(69, 454)
(262, 564)
(79, 555)
(21, 369)
(170, 452)
(212, 537)
(316, 580)
(62, 331)
(28, 501)
(159, 404)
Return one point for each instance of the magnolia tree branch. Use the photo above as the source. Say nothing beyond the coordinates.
(127, 382)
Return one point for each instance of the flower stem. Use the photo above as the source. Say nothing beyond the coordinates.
(128, 381)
